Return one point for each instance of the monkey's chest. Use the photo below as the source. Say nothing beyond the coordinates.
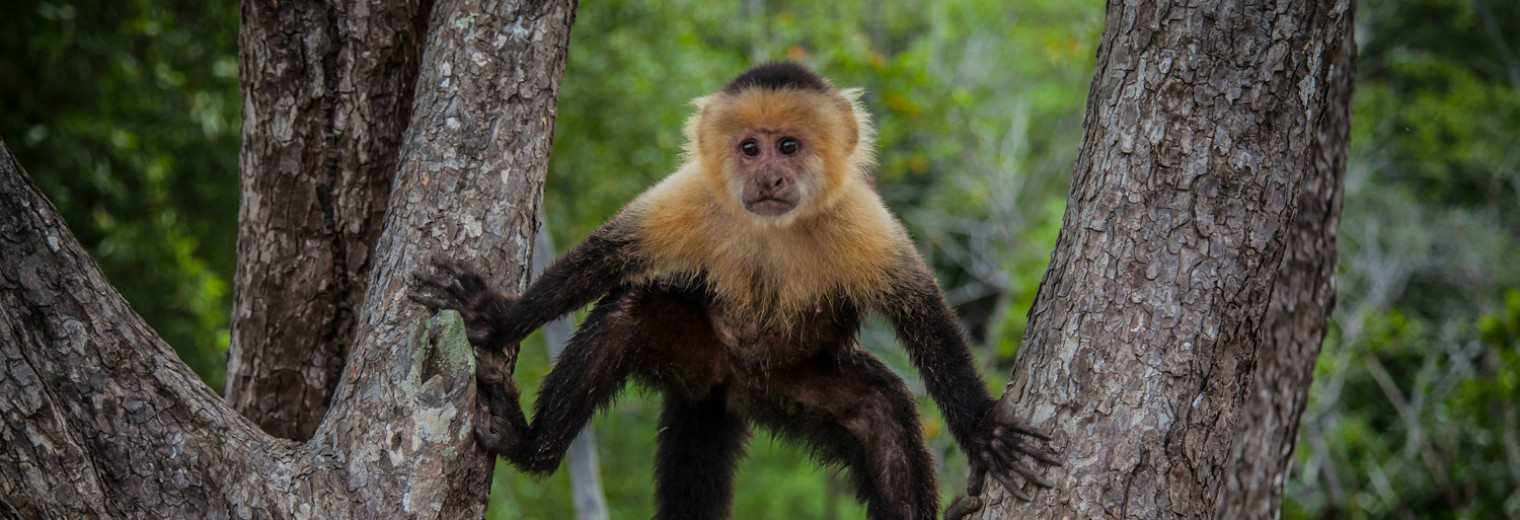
(758, 341)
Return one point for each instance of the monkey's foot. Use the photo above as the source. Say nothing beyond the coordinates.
(499, 421)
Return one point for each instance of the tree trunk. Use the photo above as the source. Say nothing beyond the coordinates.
(324, 108)
(1139, 353)
(1296, 321)
(101, 419)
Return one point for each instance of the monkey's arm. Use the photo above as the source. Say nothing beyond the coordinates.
(928, 329)
(495, 319)
(605, 260)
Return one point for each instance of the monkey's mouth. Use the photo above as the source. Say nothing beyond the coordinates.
(769, 206)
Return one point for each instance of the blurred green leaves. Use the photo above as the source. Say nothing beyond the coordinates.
(126, 113)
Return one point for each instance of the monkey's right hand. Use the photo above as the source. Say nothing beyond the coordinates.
(995, 450)
(499, 421)
(457, 286)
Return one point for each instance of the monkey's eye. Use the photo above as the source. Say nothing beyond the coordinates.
(788, 146)
(750, 148)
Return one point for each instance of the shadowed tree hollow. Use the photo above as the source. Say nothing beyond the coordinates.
(1169, 350)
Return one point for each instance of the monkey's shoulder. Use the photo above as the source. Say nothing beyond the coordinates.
(853, 250)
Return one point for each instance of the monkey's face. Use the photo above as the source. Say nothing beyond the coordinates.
(770, 173)
(777, 154)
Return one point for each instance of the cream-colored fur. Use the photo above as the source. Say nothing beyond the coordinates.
(841, 241)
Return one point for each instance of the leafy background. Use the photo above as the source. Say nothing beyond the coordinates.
(126, 112)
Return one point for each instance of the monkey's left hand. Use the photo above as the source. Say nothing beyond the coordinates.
(994, 451)
(460, 287)
(499, 418)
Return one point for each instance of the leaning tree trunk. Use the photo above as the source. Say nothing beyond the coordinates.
(1298, 318)
(101, 419)
(1139, 352)
(324, 108)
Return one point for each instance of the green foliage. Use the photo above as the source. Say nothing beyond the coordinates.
(126, 114)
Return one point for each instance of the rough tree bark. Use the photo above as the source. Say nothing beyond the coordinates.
(1298, 317)
(1139, 353)
(327, 92)
(99, 418)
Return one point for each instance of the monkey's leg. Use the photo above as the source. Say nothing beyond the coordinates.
(591, 370)
(653, 327)
(701, 442)
(854, 410)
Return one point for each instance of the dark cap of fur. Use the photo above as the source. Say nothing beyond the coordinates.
(778, 75)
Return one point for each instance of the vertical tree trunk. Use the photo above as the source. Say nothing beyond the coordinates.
(471, 176)
(327, 93)
(1296, 321)
(101, 419)
(1201, 125)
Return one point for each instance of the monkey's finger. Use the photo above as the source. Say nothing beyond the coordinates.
(1008, 484)
(442, 265)
(452, 276)
(446, 284)
(467, 274)
(1046, 456)
(471, 283)
(436, 297)
(421, 279)
(1007, 462)
(1021, 428)
(431, 302)
(976, 479)
(487, 433)
(1030, 475)
(963, 506)
(490, 363)
(449, 265)
(1042, 455)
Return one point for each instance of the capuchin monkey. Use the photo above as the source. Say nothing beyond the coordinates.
(736, 287)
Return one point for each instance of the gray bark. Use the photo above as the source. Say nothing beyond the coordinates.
(100, 419)
(1140, 348)
(1298, 318)
(327, 93)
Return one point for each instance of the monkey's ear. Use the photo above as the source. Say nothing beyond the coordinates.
(693, 136)
(855, 117)
(852, 94)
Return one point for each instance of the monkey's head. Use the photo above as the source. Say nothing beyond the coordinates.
(781, 142)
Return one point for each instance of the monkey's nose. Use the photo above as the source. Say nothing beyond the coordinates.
(772, 181)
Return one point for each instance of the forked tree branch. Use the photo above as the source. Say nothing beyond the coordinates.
(101, 419)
